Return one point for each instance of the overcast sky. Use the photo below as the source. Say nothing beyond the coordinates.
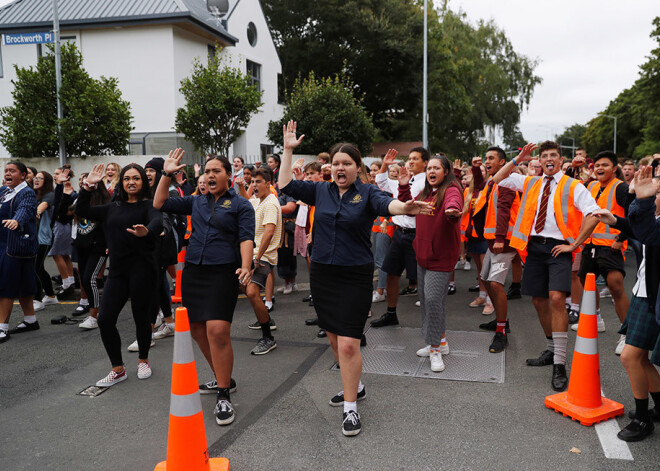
(589, 51)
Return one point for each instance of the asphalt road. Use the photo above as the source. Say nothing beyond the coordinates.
(283, 419)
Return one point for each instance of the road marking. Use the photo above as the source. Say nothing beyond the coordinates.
(614, 448)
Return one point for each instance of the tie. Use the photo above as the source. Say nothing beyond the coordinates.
(543, 210)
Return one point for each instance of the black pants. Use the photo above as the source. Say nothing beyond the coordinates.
(137, 282)
(44, 282)
(162, 299)
(287, 265)
(90, 265)
(401, 255)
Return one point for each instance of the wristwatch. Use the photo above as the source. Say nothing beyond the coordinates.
(165, 174)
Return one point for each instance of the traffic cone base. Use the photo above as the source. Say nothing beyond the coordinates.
(215, 464)
(585, 415)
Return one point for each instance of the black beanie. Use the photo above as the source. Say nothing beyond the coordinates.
(156, 163)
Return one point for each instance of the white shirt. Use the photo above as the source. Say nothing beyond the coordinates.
(639, 289)
(582, 200)
(13, 192)
(392, 186)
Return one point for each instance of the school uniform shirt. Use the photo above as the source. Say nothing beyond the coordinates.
(267, 212)
(215, 242)
(342, 225)
(582, 199)
(392, 186)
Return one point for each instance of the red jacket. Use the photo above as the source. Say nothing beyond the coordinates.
(437, 241)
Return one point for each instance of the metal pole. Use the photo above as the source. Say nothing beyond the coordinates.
(425, 130)
(58, 81)
(614, 134)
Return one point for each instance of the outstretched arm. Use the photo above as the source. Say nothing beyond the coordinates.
(290, 143)
(524, 156)
(171, 165)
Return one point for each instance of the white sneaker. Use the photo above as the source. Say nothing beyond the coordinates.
(418, 303)
(467, 266)
(288, 288)
(144, 370)
(444, 349)
(294, 286)
(89, 323)
(376, 297)
(424, 352)
(48, 300)
(605, 293)
(164, 331)
(135, 348)
(159, 319)
(281, 288)
(600, 323)
(112, 379)
(38, 306)
(437, 364)
(459, 264)
(620, 344)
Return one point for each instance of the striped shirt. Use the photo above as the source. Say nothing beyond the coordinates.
(266, 212)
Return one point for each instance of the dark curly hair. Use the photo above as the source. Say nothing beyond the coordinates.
(145, 192)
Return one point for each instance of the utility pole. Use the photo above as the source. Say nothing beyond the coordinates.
(425, 110)
(58, 82)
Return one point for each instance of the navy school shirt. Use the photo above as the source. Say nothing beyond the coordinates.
(215, 244)
(342, 225)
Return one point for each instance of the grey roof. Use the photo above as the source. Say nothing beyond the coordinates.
(37, 15)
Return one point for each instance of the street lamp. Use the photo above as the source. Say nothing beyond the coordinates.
(614, 118)
(58, 82)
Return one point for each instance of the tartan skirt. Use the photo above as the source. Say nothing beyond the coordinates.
(640, 328)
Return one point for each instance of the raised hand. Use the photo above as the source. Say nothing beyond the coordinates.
(63, 177)
(458, 164)
(96, 175)
(299, 163)
(526, 153)
(645, 185)
(139, 230)
(476, 161)
(404, 176)
(290, 140)
(173, 161)
(298, 173)
(389, 157)
(197, 168)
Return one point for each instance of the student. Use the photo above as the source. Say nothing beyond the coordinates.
(342, 262)
(111, 178)
(555, 218)
(43, 187)
(60, 250)
(131, 225)
(218, 258)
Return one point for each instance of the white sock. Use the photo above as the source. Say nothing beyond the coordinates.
(360, 386)
(488, 300)
(599, 318)
(84, 302)
(269, 304)
(575, 307)
(350, 406)
(67, 282)
(4, 327)
(30, 319)
(452, 284)
(561, 341)
(569, 300)
(482, 294)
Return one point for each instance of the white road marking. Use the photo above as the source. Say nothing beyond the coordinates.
(613, 448)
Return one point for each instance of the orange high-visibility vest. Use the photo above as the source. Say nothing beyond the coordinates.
(377, 223)
(465, 219)
(604, 234)
(490, 223)
(568, 217)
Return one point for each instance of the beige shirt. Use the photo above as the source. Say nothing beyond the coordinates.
(266, 212)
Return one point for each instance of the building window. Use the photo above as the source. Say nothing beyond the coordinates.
(266, 150)
(252, 34)
(254, 73)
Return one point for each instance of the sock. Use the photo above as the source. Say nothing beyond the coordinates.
(269, 304)
(84, 302)
(4, 327)
(488, 300)
(30, 319)
(599, 318)
(265, 330)
(391, 310)
(223, 393)
(360, 386)
(560, 340)
(575, 307)
(452, 284)
(67, 282)
(350, 406)
(656, 399)
(501, 327)
(569, 300)
(482, 294)
(642, 409)
(551, 344)
(443, 340)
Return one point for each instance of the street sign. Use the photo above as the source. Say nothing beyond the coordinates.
(29, 38)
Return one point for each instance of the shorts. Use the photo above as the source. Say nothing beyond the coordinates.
(261, 273)
(640, 328)
(543, 272)
(62, 241)
(496, 266)
(477, 246)
(600, 260)
(401, 255)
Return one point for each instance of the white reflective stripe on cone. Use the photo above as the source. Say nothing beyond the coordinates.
(185, 405)
(588, 306)
(183, 349)
(586, 346)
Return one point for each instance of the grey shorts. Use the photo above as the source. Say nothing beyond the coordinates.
(496, 266)
(261, 273)
(62, 240)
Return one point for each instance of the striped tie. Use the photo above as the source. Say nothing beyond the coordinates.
(543, 210)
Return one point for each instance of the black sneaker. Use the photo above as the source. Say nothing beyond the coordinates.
(451, 290)
(385, 319)
(312, 321)
(351, 425)
(25, 327)
(224, 412)
(80, 310)
(257, 326)
(492, 326)
(408, 291)
(211, 387)
(513, 292)
(4, 336)
(321, 334)
(307, 298)
(500, 341)
(474, 289)
(264, 345)
(573, 316)
(338, 399)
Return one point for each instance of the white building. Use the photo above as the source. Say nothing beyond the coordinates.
(150, 46)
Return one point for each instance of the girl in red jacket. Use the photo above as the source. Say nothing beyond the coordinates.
(437, 245)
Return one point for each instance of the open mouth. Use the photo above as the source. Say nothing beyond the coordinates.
(211, 184)
(432, 178)
(341, 177)
(550, 167)
(132, 187)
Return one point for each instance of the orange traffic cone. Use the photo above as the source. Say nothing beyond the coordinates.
(583, 401)
(180, 259)
(186, 439)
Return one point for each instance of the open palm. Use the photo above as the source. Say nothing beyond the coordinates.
(96, 175)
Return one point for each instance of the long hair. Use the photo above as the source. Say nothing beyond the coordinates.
(47, 185)
(113, 183)
(145, 192)
(100, 195)
(449, 180)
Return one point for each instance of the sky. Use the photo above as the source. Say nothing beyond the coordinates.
(588, 52)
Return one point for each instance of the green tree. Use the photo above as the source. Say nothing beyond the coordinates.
(327, 112)
(220, 100)
(96, 119)
(514, 139)
(571, 135)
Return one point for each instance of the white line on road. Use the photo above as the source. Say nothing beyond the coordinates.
(614, 448)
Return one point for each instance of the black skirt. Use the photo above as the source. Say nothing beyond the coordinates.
(209, 292)
(342, 297)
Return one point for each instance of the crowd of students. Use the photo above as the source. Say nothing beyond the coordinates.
(547, 221)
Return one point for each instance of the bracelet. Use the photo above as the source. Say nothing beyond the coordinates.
(514, 162)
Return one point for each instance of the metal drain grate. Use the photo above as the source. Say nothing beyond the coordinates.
(391, 351)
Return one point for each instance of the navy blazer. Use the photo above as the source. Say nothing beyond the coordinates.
(24, 239)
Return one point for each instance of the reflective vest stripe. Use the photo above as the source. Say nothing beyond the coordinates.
(516, 228)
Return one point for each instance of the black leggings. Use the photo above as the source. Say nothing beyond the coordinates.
(138, 283)
(162, 299)
(90, 265)
(44, 282)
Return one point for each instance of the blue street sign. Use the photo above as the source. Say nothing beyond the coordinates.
(29, 38)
